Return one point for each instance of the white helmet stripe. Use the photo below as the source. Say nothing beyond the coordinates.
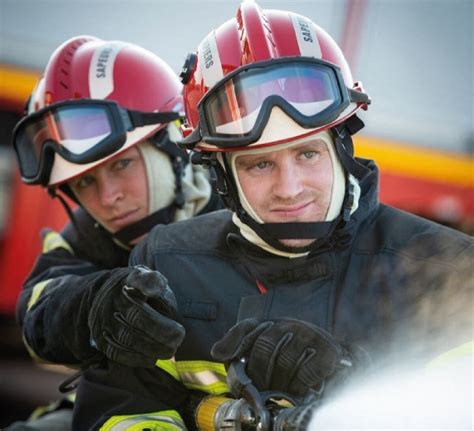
(208, 56)
(306, 36)
(101, 70)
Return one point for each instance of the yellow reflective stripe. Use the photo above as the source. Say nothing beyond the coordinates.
(36, 292)
(53, 406)
(168, 365)
(205, 376)
(71, 397)
(54, 240)
(217, 388)
(168, 420)
(463, 351)
(32, 353)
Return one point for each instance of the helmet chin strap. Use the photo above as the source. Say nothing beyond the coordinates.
(141, 227)
(273, 233)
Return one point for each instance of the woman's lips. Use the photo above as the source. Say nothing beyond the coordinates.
(124, 219)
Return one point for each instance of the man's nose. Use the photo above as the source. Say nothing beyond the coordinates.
(288, 182)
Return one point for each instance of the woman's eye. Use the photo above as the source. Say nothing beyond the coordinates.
(122, 163)
(84, 182)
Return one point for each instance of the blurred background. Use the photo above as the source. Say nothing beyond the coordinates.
(414, 57)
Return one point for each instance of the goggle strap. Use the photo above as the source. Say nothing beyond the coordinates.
(354, 124)
(190, 141)
(345, 151)
(25, 108)
(140, 119)
(162, 142)
(358, 97)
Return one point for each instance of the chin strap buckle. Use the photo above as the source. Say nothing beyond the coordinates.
(346, 211)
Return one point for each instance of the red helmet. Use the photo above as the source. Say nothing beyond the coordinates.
(235, 81)
(127, 75)
(266, 78)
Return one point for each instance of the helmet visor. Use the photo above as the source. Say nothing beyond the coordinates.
(81, 131)
(309, 90)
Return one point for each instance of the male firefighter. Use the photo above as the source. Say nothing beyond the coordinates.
(306, 263)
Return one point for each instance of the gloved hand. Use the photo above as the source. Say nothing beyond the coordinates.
(284, 355)
(132, 318)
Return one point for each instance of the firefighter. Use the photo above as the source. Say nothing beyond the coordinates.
(306, 263)
(100, 129)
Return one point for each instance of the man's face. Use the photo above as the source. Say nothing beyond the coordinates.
(290, 185)
(115, 193)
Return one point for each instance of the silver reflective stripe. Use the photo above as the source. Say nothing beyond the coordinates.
(210, 60)
(204, 378)
(306, 37)
(101, 69)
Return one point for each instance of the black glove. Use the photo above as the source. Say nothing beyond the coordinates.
(283, 355)
(132, 318)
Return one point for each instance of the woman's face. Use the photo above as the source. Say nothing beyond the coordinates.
(116, 192)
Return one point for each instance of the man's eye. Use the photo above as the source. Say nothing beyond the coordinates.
(262, 165)
(309, 154)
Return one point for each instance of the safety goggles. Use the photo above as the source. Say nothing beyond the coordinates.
(311, 91)
(80, 131)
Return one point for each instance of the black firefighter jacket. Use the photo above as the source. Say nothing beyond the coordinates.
(392, 282)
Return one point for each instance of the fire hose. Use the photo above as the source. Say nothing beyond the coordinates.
(254, 410)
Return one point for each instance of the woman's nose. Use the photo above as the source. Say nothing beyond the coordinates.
(110, 191)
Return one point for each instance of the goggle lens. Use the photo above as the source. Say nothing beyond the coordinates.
(80, 131)
(76, 129)
(233, 107)
(80, 128)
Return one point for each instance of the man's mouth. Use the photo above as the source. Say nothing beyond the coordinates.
(291, 211)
